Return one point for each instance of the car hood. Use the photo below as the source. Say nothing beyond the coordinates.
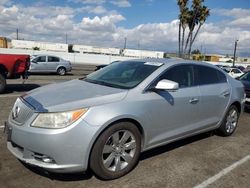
(71, 95)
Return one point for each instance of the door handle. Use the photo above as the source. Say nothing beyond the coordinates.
(193, 100)
(225, 93)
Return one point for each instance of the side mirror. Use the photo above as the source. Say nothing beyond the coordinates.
(34, 61)
(167, 85)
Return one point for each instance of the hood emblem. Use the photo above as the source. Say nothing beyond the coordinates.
(15, 112)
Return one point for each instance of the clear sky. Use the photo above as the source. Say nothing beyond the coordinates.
(147, 24)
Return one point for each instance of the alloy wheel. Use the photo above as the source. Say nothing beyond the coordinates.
(119, 150)
(231, 121)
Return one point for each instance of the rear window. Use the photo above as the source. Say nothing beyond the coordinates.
(236, 71)
(53, 59)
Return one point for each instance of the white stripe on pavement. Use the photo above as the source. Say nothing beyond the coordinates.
(2, 126)
(223, 173)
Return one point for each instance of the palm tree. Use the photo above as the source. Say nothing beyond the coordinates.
(193, 21)
(205, 12)
(183, 8)
(191, 17)
(184, 23)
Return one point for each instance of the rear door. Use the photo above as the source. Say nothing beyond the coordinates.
(53, 63)
(215, 94)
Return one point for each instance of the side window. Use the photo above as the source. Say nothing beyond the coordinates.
(53, 59)
(41, 59)
(207, 75)
(182, 74)
(235, 71)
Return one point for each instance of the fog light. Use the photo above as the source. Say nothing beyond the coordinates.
(47, 160)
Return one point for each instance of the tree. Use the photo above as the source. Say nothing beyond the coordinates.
(203, 14)
(182, 23)
(194, 16)
(197, 51)
(36, 48)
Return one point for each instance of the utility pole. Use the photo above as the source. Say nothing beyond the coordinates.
(125, 43)
(17, 34)
(66, 38)
(235, 47)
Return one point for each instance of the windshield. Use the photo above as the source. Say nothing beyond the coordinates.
(245, 77)
(124, 74)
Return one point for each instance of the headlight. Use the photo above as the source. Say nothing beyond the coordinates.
(57, 120)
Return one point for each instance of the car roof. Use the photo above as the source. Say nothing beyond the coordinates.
(37, 55)
(170, 61)
(157, 60)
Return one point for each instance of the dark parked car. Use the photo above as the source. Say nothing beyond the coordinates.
(245, 79)
(100, 67)
(103, 65)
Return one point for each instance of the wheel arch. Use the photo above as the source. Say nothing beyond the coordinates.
(60, 66)
(3, 70)
(238, 106)
(130, 120)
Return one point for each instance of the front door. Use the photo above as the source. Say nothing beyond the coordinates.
(173, 113)
(38, 64)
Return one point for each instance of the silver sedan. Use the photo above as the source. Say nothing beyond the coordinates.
(49, 64)
(107, 119)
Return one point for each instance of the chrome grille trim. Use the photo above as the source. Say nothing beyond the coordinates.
(25, 112)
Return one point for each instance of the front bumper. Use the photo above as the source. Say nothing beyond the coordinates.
(69, 69)
(63, 150)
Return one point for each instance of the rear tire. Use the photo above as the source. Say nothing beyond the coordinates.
(61, 71)
(230, 122)
(2, 83)
(116, 151)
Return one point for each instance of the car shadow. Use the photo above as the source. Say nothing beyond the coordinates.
(174, 145)
(11, 88)
(59, 176)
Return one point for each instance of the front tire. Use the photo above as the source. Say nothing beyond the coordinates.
(230, 122)
(116, 151)
(2, 83)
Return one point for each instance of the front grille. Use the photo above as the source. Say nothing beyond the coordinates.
(20, 112)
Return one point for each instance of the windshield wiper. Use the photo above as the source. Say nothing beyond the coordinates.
(99, 82)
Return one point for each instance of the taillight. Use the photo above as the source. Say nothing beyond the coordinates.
(27, 63)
